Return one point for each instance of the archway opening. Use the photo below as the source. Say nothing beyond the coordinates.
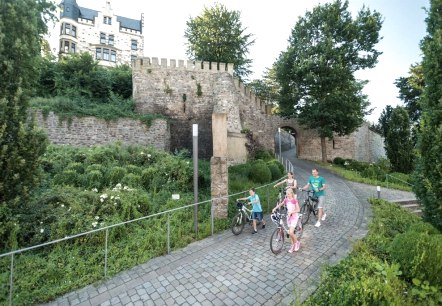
(285, 142)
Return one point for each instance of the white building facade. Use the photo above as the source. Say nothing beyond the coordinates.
(111, 39)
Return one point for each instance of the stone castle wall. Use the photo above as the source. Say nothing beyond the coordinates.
(90, 131)
(189, 92)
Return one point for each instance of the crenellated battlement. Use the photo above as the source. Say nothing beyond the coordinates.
(164, 63)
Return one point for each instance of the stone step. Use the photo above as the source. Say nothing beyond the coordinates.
(411, 205)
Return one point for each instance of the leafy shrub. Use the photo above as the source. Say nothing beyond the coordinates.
(263, 154)
(274, 170)
(359, 280)
(131, 180)
(418, 253)
(240, 170)
(278, 164)
(115, 175)
(75, 166)
(68, 177)
(94, 179)
(374, 172)
(259, 172)
(339, 161)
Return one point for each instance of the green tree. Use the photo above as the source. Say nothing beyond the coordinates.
(217, 35)
(384, 120)
(267, 88)
(410, 92)
(398, 143)
(428, 186)
(21, 143)
(316, 72)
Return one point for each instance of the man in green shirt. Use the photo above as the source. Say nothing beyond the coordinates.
(317, 184)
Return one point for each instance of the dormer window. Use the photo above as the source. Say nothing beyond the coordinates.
(107, 20)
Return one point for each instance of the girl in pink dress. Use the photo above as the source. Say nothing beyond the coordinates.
(292, 217)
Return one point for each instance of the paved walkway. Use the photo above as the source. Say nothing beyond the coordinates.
(241, 270)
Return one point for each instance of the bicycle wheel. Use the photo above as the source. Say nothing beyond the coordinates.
(238, 224)
(277, 240)
(298, 229)
(305, 211)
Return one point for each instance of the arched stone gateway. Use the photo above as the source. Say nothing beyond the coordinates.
(190, 92)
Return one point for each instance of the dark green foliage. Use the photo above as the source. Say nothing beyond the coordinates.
(398, 142)
(388, 267)
(316, 72)
(339, 161)
(259, 172)
(217, 36)
(264, 154)
(428, 184)
(417, 252)
(274, 170)
(22, 25)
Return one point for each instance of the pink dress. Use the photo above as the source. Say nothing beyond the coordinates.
(291, 206)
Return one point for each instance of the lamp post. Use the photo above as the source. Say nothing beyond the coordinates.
(195, 175)
(279, 136)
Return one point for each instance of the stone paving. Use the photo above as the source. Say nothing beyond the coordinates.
(241, 270)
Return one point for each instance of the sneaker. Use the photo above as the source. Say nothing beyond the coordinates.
(254, 232)
(297, 245)
(263, 226)
(318, 224)
(291, 249)
(323, 217)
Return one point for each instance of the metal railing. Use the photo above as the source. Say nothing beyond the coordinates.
(397, 179)
(107, 228)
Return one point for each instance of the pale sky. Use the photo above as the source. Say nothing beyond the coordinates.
(271, 23)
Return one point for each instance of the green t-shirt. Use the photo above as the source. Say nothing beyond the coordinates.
(316, 183)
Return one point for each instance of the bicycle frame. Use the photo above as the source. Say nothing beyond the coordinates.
(243, 216)
(310, 205)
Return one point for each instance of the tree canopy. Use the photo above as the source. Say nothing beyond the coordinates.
(428, 185)
(316, 72)
(21, 143)
(217, 35)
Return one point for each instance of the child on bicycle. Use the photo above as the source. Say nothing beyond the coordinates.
(292, 217)
(290, 181)
(256, 209)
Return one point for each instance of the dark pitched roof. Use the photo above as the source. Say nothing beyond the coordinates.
(86, 13)
(129, 23)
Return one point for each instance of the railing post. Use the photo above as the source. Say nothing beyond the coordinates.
(268, 199)
(105, 252)
(11, 279)
(168, 234)
(211, 216)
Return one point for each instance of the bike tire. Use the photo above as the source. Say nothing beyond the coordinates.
(238, 224)
(277, 240)
(299, 229)
(305, 211)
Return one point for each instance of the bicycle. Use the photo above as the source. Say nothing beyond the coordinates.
(282, 231)
(243, 216)
(309, 206)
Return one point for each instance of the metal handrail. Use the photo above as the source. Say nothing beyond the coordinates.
(388, 175)
(106, 228)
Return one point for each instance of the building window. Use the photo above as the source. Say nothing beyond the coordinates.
(107, 20)
(106, 54)
(133, 58)
(98, 53)
(111, 40)
(72, 48)
(74, 31)
(67, 28)
(113, 56)
(102, 38)
(134, 44)
(66, 46)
